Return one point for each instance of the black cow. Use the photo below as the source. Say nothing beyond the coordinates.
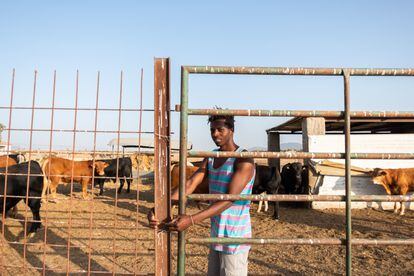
(17, 186)
(295, 180)
(267, 180)
(19, 158)
(124, 173)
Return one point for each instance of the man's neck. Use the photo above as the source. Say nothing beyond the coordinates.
(229, 147)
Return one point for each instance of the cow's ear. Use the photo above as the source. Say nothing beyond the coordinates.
(382, 172)
(90, 164)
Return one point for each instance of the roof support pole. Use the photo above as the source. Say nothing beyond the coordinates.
(311, 126)
(273, 144)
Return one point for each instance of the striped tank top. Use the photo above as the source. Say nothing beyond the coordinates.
(234, 222)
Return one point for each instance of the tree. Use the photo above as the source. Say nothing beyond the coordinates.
(1, 129)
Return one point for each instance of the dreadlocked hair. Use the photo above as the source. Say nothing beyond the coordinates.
(228, 119)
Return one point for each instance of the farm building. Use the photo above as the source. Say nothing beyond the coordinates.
(368, 135)
(147, 144)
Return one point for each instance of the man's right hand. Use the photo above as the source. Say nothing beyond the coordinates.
(152, 220)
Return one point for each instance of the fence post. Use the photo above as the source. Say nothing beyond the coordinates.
(162, 163)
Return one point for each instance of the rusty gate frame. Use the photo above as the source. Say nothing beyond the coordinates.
(346, 115)
(162, 158)
(162, 152)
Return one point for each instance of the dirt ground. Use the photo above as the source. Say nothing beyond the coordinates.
(124, 230)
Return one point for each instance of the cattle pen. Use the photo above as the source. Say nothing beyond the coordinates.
(186, 71)
(80, 235)
(108, 234)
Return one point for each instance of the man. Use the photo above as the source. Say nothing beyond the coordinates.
(228, 219)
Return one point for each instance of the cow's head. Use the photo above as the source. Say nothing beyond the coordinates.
(378, 176)
(99, 167)
(294, 175)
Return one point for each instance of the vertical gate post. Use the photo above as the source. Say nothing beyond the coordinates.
(162, 179)
(347, 132)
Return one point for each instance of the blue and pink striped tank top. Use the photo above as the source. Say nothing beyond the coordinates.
(235, 221)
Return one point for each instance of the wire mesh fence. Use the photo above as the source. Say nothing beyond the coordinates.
(84, 230)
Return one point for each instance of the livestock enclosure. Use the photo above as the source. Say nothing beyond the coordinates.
(346, 115)
(108, 234)
(100, 234)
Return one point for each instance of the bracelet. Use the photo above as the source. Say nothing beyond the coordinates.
(192, 221)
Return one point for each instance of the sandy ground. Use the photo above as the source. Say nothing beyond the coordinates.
(122, 229)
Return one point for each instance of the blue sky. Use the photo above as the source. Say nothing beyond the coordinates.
(110, 36)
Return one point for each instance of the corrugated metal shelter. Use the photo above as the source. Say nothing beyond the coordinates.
(146, 143)
(385, 135)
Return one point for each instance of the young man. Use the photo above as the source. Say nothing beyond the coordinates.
(228, 219)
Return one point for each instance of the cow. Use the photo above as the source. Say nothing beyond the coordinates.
(59, 170)
(395, 182)
(124, 166)
(17, 181)
(7, 161)
(189, 171)
(267, 180)
(19, 158)
(295, 181)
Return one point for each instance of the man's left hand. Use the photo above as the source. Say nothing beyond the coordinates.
(180, 223)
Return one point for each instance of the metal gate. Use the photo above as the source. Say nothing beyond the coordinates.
(347, 114)
(105, 234)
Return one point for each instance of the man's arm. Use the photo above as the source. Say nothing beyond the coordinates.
(243, 172)
(191, 184)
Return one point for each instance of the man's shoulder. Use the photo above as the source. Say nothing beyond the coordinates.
(244, 160)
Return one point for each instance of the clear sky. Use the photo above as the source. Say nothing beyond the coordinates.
(110, 36)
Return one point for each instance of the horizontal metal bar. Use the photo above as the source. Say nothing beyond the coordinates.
(72, 108)
(77, 272)
(301, 113)
(95, 199)
(309, 71)
(356, 198)
(112, 153)
(298, 155)
(76, 130)
(64, 175)
(299, 241)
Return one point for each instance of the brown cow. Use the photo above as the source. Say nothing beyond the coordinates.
(58, 170)
(395, 182)
(6, 161)
(189, 171)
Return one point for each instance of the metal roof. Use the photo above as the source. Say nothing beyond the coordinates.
(358, 125)
(145, 143)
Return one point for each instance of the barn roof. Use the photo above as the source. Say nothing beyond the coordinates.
(358, 125)
(145, 143)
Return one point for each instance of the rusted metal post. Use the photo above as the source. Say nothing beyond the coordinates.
(183, 162)
(162, 163)
(296, 198)
(299, 155)
(299, 71)
(310, 241)
(347, 131)
(302, 113)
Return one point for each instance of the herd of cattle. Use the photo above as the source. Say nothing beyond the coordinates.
(49, 172)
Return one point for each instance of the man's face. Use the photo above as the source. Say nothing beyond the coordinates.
(220, 133)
